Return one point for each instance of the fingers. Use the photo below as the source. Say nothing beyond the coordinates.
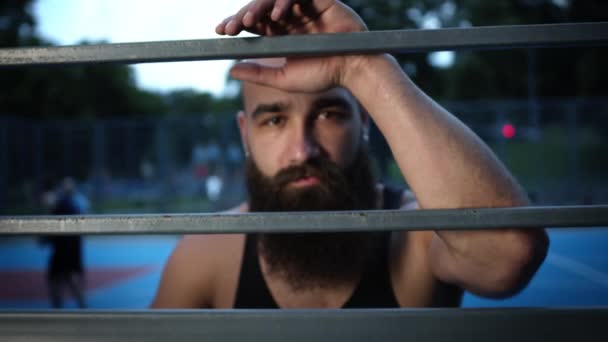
(272, 17)
(233, 24)
(221, 27)
(258, 8)
(266, 12)
(256, 11)
(281, 7)
(256, 73)
(261, 9)
(248, 16)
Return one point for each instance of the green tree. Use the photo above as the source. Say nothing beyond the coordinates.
(16, 22)
(492, 74)
(91, 91)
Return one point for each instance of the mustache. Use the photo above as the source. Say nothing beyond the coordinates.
(319, 168)
(348, 188)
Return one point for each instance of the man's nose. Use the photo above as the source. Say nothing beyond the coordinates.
(303, 146)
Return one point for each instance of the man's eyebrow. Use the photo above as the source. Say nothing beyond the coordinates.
(333, 101)
(262, 108)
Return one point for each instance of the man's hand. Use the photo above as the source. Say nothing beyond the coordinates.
(281, 17)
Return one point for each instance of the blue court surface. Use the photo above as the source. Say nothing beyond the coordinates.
(123, 272)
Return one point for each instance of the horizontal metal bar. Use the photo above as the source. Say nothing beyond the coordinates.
(292, 222)
(420, 325)
(398, 41)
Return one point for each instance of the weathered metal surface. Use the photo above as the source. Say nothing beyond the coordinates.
(444, 219)
(398, 41)
(420, 325)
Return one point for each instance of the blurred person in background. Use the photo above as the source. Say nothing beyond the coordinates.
(65, 270)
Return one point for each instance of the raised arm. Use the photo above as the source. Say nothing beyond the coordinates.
(444, 162)
(448, 166)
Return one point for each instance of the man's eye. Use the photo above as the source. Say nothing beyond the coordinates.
(327, 114)
(274, 121)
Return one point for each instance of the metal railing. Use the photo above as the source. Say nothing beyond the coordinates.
(420, 325)
(307, 325)
(398, 41)
(297, 222)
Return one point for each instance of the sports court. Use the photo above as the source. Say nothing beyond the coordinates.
(123, 272)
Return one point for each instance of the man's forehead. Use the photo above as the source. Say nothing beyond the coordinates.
(255, 95)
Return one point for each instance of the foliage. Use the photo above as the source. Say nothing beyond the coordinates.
(190, 101)
(110, 90)
(497, 74)
(82, 92)
(64, 92)
(75, 92)
(16, 22)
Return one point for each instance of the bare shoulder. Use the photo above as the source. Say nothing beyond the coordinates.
(191, 277)
(209, 249)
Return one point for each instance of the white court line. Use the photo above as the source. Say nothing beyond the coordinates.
(578, 268)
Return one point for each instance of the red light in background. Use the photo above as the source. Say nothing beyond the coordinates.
(508, 131)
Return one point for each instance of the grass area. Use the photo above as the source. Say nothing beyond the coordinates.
(173, 205)
(553, 160)
(549, 160)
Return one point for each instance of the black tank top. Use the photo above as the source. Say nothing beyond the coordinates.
(373, 291)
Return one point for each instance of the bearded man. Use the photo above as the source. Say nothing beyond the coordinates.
(303, 128)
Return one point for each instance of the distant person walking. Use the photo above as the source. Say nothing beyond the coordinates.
(65, 264)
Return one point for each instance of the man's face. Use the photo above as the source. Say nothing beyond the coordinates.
(306, 154)
(281, 129)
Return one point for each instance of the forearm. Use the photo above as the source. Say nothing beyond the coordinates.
(448, 166)
(488, 263)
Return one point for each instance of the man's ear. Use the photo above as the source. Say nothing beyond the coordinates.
(363, 115)
(241, 120)
(365, 122)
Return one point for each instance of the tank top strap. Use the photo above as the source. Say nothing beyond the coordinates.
(252, 291)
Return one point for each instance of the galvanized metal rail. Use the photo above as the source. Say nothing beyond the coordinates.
(420, 325)
(444, 219)
(488, 37)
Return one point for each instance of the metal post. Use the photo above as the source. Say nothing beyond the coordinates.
(38, 154)
(501, 147)
(533, 110)
(573, 160)
(18, 148)
(98, 162)
(3, 165)
(130, 155)
(68, 131)
(163, 162)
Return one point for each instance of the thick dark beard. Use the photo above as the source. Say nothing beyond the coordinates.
(350, 189)
(316, 260)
